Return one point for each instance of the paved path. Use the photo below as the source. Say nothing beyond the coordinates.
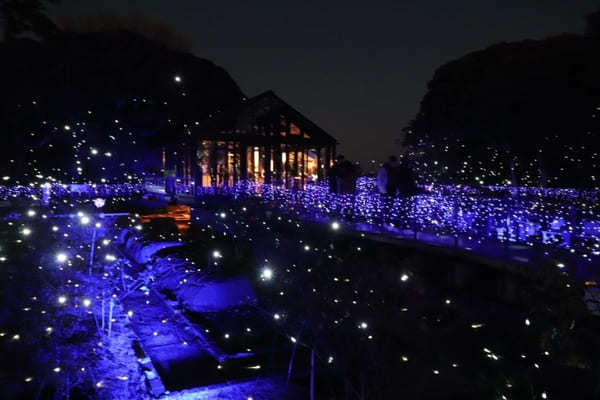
(180, 355)
(509, 256)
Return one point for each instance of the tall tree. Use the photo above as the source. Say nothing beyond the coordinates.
(109, 21)
(520, 113)
(26, 16)
(592, 24)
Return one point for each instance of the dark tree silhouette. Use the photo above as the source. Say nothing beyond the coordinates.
(592, 23)
(109, 21)
(26, 16)
(116, 76)
(522, 113)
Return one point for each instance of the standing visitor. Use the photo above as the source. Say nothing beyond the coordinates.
(335, 174)
(406, 182)
(388, 184)
(388, 177)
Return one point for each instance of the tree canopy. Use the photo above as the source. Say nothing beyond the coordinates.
(26, 16)
(89, 106)
(522, 113)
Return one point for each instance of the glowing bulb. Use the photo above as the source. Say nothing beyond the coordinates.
(217, 254)
(267, 273)
(335, 226)
(177, 78)
(61, 257)
(363, 325)
(110, 257)
(26, 231)
(99, 202)
(87, 302)
(85, 220)
(62, 299)
(404, 278)
(30, 213)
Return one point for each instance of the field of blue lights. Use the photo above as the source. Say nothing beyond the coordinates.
(267, 292)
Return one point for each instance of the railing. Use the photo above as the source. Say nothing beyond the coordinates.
(47, 191)
(549, 220)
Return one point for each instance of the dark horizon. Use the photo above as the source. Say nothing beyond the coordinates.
(359, 72)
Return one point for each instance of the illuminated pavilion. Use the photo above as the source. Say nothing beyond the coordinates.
(262, 139)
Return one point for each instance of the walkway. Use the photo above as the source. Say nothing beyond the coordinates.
(513, 255)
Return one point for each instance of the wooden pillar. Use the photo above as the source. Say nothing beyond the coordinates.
(196, 169)
(287, 164)
(268, 150)
(212, 163)
(235, 150)
(277, 164)
(303, 167)
(243, 161)
(296, 163)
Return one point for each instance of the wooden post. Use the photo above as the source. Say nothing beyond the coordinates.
(277, 164)
(296, 164)
(197, 171)
(303, 167)
(287, 164)
(243, 161)
(235, 149)
(312, 374)
(267, 164)
(212, 163)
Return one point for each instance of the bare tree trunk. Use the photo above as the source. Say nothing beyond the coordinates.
(542, 171)
(513, 173)
(312, 374)
(38, 392)
(346, 390)
(67, 387)
(110, 313)
(92, 251)
(291, 363)
(362, 387)
(102, 325)
(122, 267)
(97, 325)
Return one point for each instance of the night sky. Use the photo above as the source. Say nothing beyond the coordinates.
(357, 69)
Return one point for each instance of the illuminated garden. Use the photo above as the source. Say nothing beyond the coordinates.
(164, 236)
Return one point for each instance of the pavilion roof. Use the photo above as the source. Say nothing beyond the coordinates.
(250, 117)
